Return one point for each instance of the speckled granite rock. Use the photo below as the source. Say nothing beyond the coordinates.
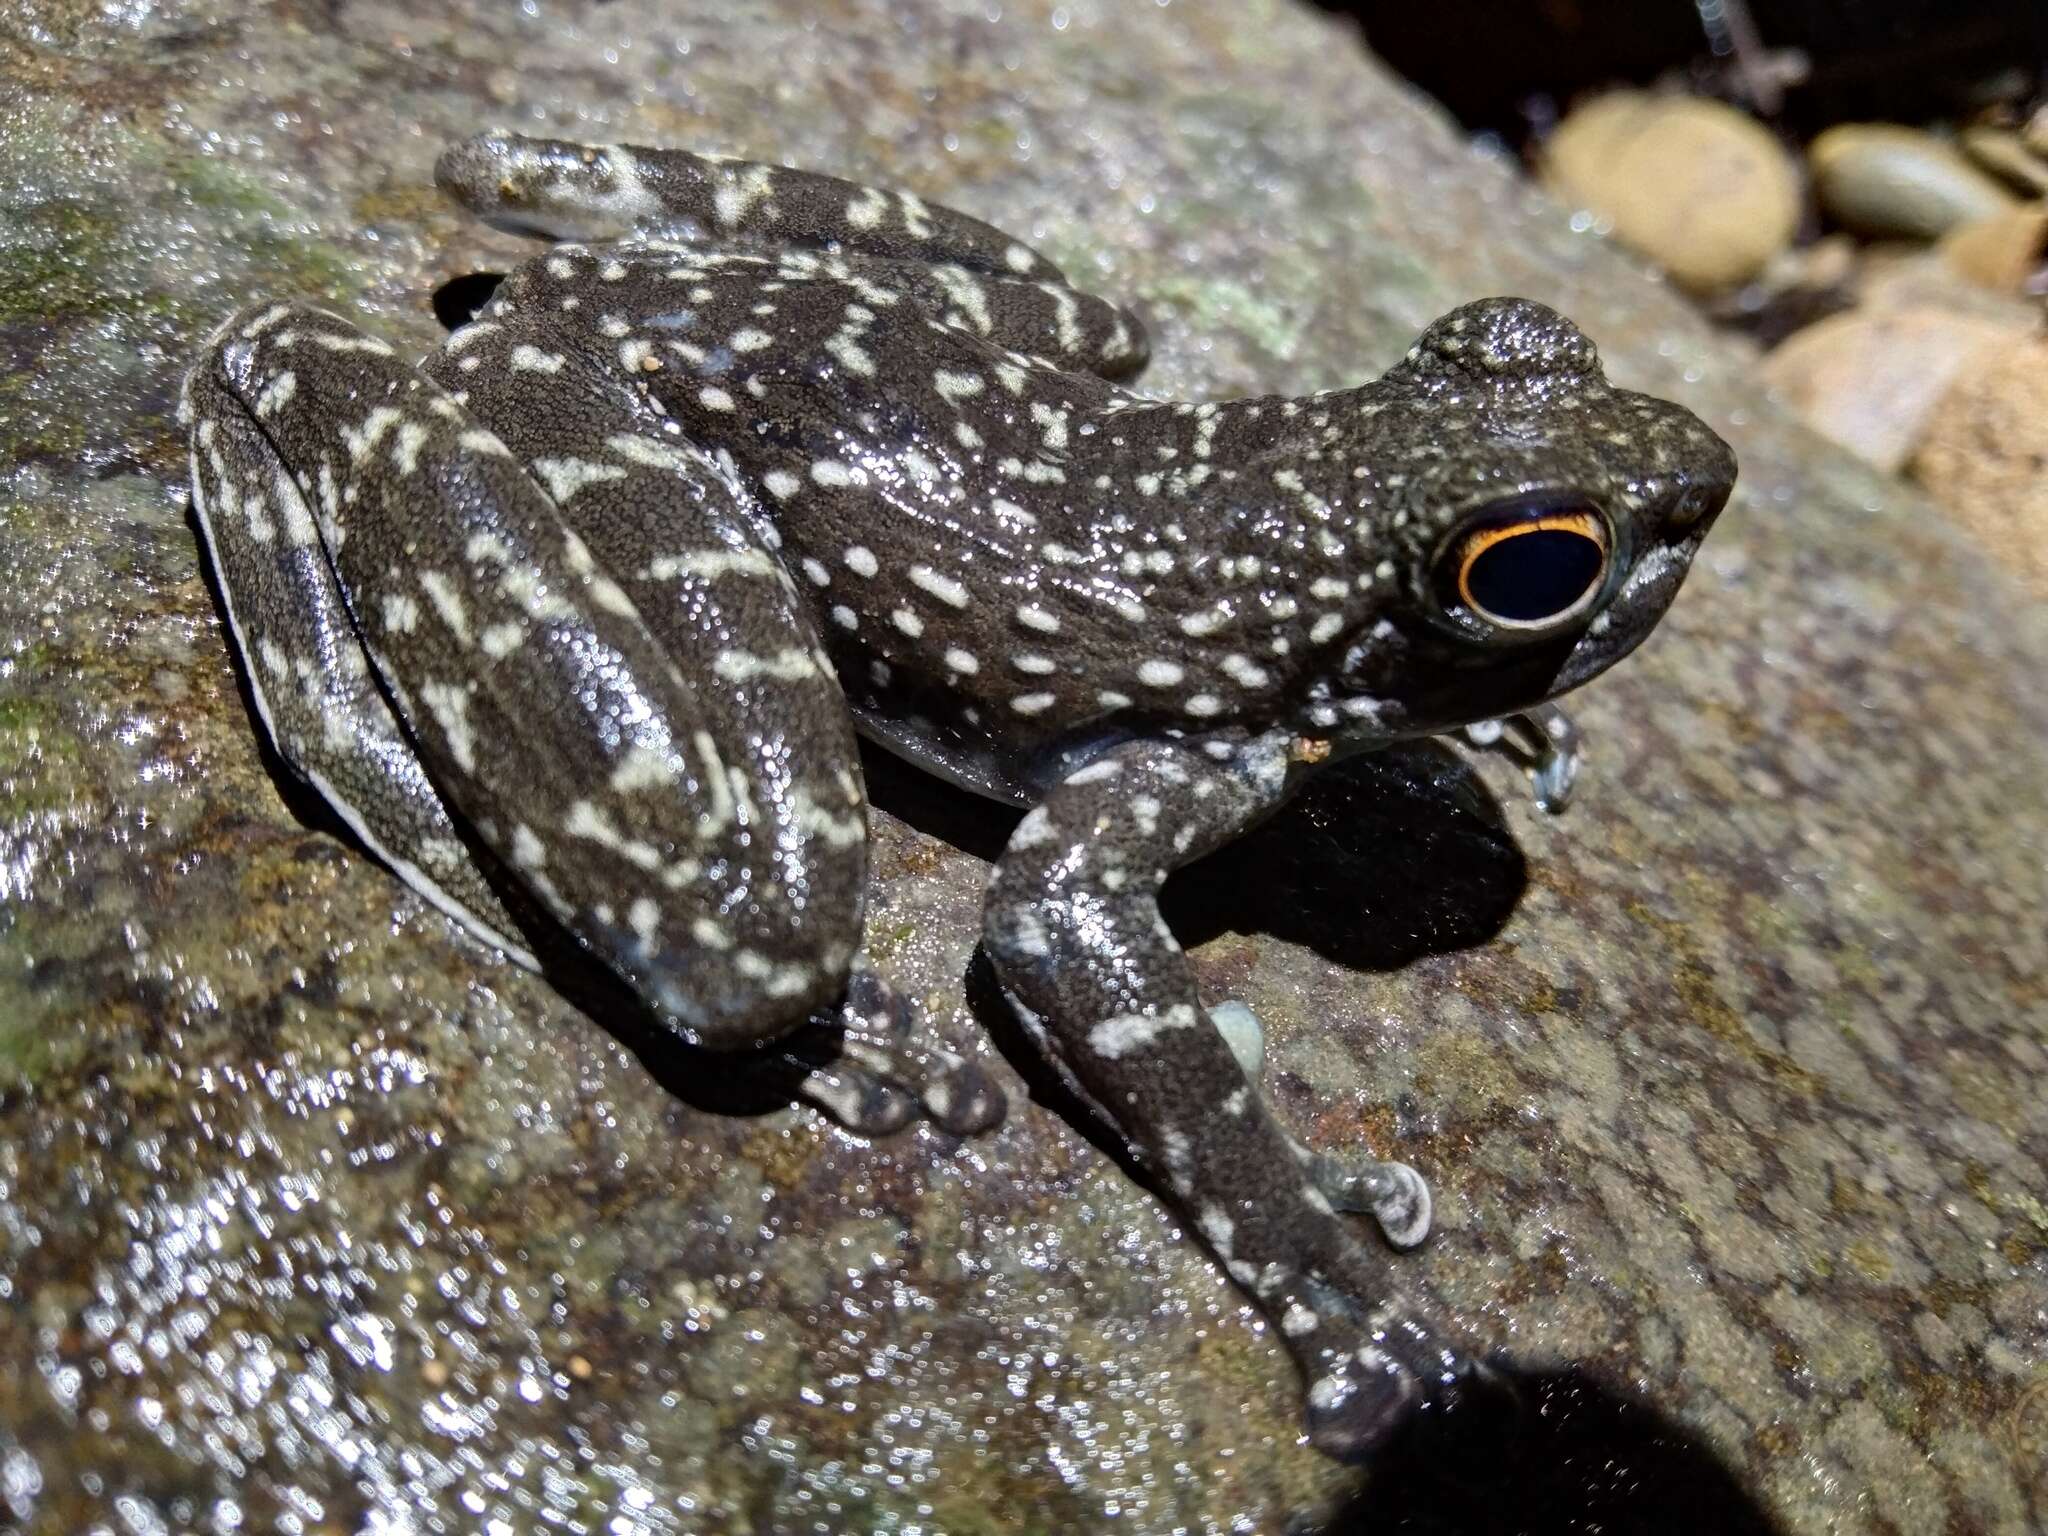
(313, 1213)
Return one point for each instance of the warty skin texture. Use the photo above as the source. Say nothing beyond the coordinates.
(757, 458)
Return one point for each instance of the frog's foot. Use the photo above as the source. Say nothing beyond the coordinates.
(1545, 742)
(1360, 1393)
(884, 1076)
(1395, 1194)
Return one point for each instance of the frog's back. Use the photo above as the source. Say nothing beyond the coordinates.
(1012, 563)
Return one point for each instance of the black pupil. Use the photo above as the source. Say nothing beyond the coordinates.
(1529, 577)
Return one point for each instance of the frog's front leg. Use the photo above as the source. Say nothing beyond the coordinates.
(1073, 928)
(1544, 741)
(1393, 1194)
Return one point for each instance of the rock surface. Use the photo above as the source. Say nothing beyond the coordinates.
(314, 1212)
(1703, 191)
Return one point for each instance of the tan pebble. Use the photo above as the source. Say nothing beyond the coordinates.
(1884, 179)
(2003, 252)
(2035, 134)
(1869, 379)
(2005, 155)
(1703, 191)
(1899, 276)
(1985, 457)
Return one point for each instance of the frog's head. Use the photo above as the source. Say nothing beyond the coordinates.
(1538, 520)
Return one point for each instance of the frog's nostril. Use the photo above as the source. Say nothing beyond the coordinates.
(1534, 571)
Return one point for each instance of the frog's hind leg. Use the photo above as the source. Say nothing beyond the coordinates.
(568, 191)
(964, 272)
(1048, 323)
(308, 677)
(542, 709)
(675, 533)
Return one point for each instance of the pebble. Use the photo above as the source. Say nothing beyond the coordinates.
(1884, 179)
(1870, 379)
(2035, 134)
(2007, 251)
(2005, 155)
(1982, 457)
(1706, 193)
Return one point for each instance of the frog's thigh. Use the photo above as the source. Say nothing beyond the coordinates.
(667, 527)
(307, 673)
(543, 707)
(597, 192)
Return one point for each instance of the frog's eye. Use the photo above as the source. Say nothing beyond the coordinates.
(1530, 569)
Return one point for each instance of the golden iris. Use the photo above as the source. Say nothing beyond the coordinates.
(1534, 571)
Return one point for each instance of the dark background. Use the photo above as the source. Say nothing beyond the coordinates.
(1507, 66)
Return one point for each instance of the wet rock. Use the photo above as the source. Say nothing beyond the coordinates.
(1706, 193)
(1985, 456)
(1883, 179)
(316, 1214)
(2006, 252)
(1870, 378)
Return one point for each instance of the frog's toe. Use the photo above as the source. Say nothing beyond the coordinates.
(858, 1099)
(962, 1098)
(1360, 1396)
(1394, 1194)
(1403, 1208)
(1555, 748)
(1242, 1032)
(1367, 1399)
(879, 1038)
(1353, 1411)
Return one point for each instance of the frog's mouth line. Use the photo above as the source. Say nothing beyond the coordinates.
(1646, 595)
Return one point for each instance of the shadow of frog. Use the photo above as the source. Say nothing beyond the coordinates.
(1555, 1450)
(1380, 860)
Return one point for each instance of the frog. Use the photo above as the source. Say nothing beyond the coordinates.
(578, 625)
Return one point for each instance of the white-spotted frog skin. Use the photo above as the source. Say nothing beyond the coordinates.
(756, 458)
